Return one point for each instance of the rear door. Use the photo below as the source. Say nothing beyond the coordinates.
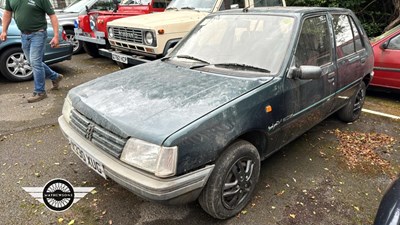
(351, 55)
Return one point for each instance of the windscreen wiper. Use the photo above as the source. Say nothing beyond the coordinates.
(192, 58)
(173, 8)
(243, 66)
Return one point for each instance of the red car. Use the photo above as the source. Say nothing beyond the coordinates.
(387, 59)
(91, 28)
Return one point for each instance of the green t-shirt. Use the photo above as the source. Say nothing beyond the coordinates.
(30, 15)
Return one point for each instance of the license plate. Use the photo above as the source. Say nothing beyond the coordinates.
(89, 160)
(119, 58)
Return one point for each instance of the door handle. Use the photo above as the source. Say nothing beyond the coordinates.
(331, 77)
(363, 60)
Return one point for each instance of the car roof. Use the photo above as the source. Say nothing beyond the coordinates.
(291, 10)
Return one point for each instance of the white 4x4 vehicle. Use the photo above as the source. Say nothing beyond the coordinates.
(136, 40)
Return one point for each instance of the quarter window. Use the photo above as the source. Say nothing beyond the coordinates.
(314, 46)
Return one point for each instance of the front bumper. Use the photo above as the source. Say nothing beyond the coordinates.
(98, 39)
(174, 190)
(123, 58)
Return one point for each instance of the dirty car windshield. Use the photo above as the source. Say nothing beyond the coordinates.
(200, 5)
(238, 42)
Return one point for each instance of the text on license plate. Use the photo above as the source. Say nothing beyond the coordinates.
(89, 160)
(119, 58)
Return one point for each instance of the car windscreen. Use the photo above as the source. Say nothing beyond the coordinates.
(244, 42)
(135, 2)
(199, 5)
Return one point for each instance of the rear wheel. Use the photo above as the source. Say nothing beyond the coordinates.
(77, 45)
(232, 182)
(352, 110)
(14, 66)
(91, 49)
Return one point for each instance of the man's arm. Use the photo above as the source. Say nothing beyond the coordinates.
(6, 22)
(54, 23)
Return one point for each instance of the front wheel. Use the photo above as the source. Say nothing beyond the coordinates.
(91, 49)
(232, 182)
(352, 110)
(14, 66)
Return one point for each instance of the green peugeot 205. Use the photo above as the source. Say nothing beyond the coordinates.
(241, 85)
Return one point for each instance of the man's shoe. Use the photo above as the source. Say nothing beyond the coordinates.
(37, 97)
(56, 82)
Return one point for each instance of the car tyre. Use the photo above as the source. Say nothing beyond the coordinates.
(352, 110)
(14, 66)
(232, 182)
(91, 49)
(77, 45)
(123, 65)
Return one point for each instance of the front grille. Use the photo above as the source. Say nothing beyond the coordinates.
(128, 34)
(102, 138)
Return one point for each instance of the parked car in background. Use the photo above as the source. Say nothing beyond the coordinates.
(387, 60)
(92, 27)
(240, 86)
(68, 16)
(389, 209)
(13, 64)
(140, 39)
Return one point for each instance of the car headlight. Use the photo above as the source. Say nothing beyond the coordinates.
(110, 32)
(153, 158)
(92, 22)
(149, 38)
(67, 109)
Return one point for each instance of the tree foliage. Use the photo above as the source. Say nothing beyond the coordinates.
(375, 15)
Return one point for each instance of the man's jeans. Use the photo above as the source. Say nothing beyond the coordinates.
(34, 45)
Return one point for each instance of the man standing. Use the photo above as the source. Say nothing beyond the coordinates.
(30, 16)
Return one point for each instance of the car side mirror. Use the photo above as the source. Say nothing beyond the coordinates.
(384, 45)
(305, 72)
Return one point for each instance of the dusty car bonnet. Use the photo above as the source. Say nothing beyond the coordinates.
(152, 101)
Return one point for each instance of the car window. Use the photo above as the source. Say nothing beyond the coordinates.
(314, 45)
(232, 4)
(394, 43)
(343, 36)
(262, 3)
(103, 5)
(357, 38)
(161, 3)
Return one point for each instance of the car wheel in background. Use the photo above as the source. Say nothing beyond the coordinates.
(14, 66)
(91, 49)
(76, 43)
(352, 110)
(232, 182)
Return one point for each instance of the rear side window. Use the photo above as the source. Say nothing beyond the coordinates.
(347, 36)
(314, 46)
